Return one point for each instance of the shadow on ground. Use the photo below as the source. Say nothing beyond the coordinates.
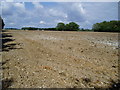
(6, 83)
(6, 38)
(115, 85)
(7, 43)
(2, 65)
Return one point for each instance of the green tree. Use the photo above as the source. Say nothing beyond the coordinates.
(111, 26)
(72, 26)
(60, 27)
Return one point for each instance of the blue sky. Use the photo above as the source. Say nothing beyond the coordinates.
(48, 14)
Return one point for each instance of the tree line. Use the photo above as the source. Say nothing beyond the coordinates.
(34, 28)
(105, 26)
(72, 26)
(110, 26)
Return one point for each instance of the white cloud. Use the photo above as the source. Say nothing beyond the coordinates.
(67, 0)
(75, 11)
(19, 5)
(9, 0)
(79, 8)
(85, 14)
(28, 26)
(12, 8)
(57, 13)
(42, 22)
(58, 21)
(12, 23)
(37, 5)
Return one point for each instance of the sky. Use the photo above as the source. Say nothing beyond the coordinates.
(48, 14)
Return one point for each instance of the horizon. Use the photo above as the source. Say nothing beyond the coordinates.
(48, 14)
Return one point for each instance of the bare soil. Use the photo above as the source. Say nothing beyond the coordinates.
(59, 59)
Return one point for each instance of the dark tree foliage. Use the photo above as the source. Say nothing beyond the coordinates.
(82, 29)
(1, 23)
(29, 28)
(72, 26)
(11, 29)
(111, 26)
(33, 28)
(60, 27)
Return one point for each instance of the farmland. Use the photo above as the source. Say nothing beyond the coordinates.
(59, 59)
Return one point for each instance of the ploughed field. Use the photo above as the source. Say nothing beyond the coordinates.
(59, 59)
